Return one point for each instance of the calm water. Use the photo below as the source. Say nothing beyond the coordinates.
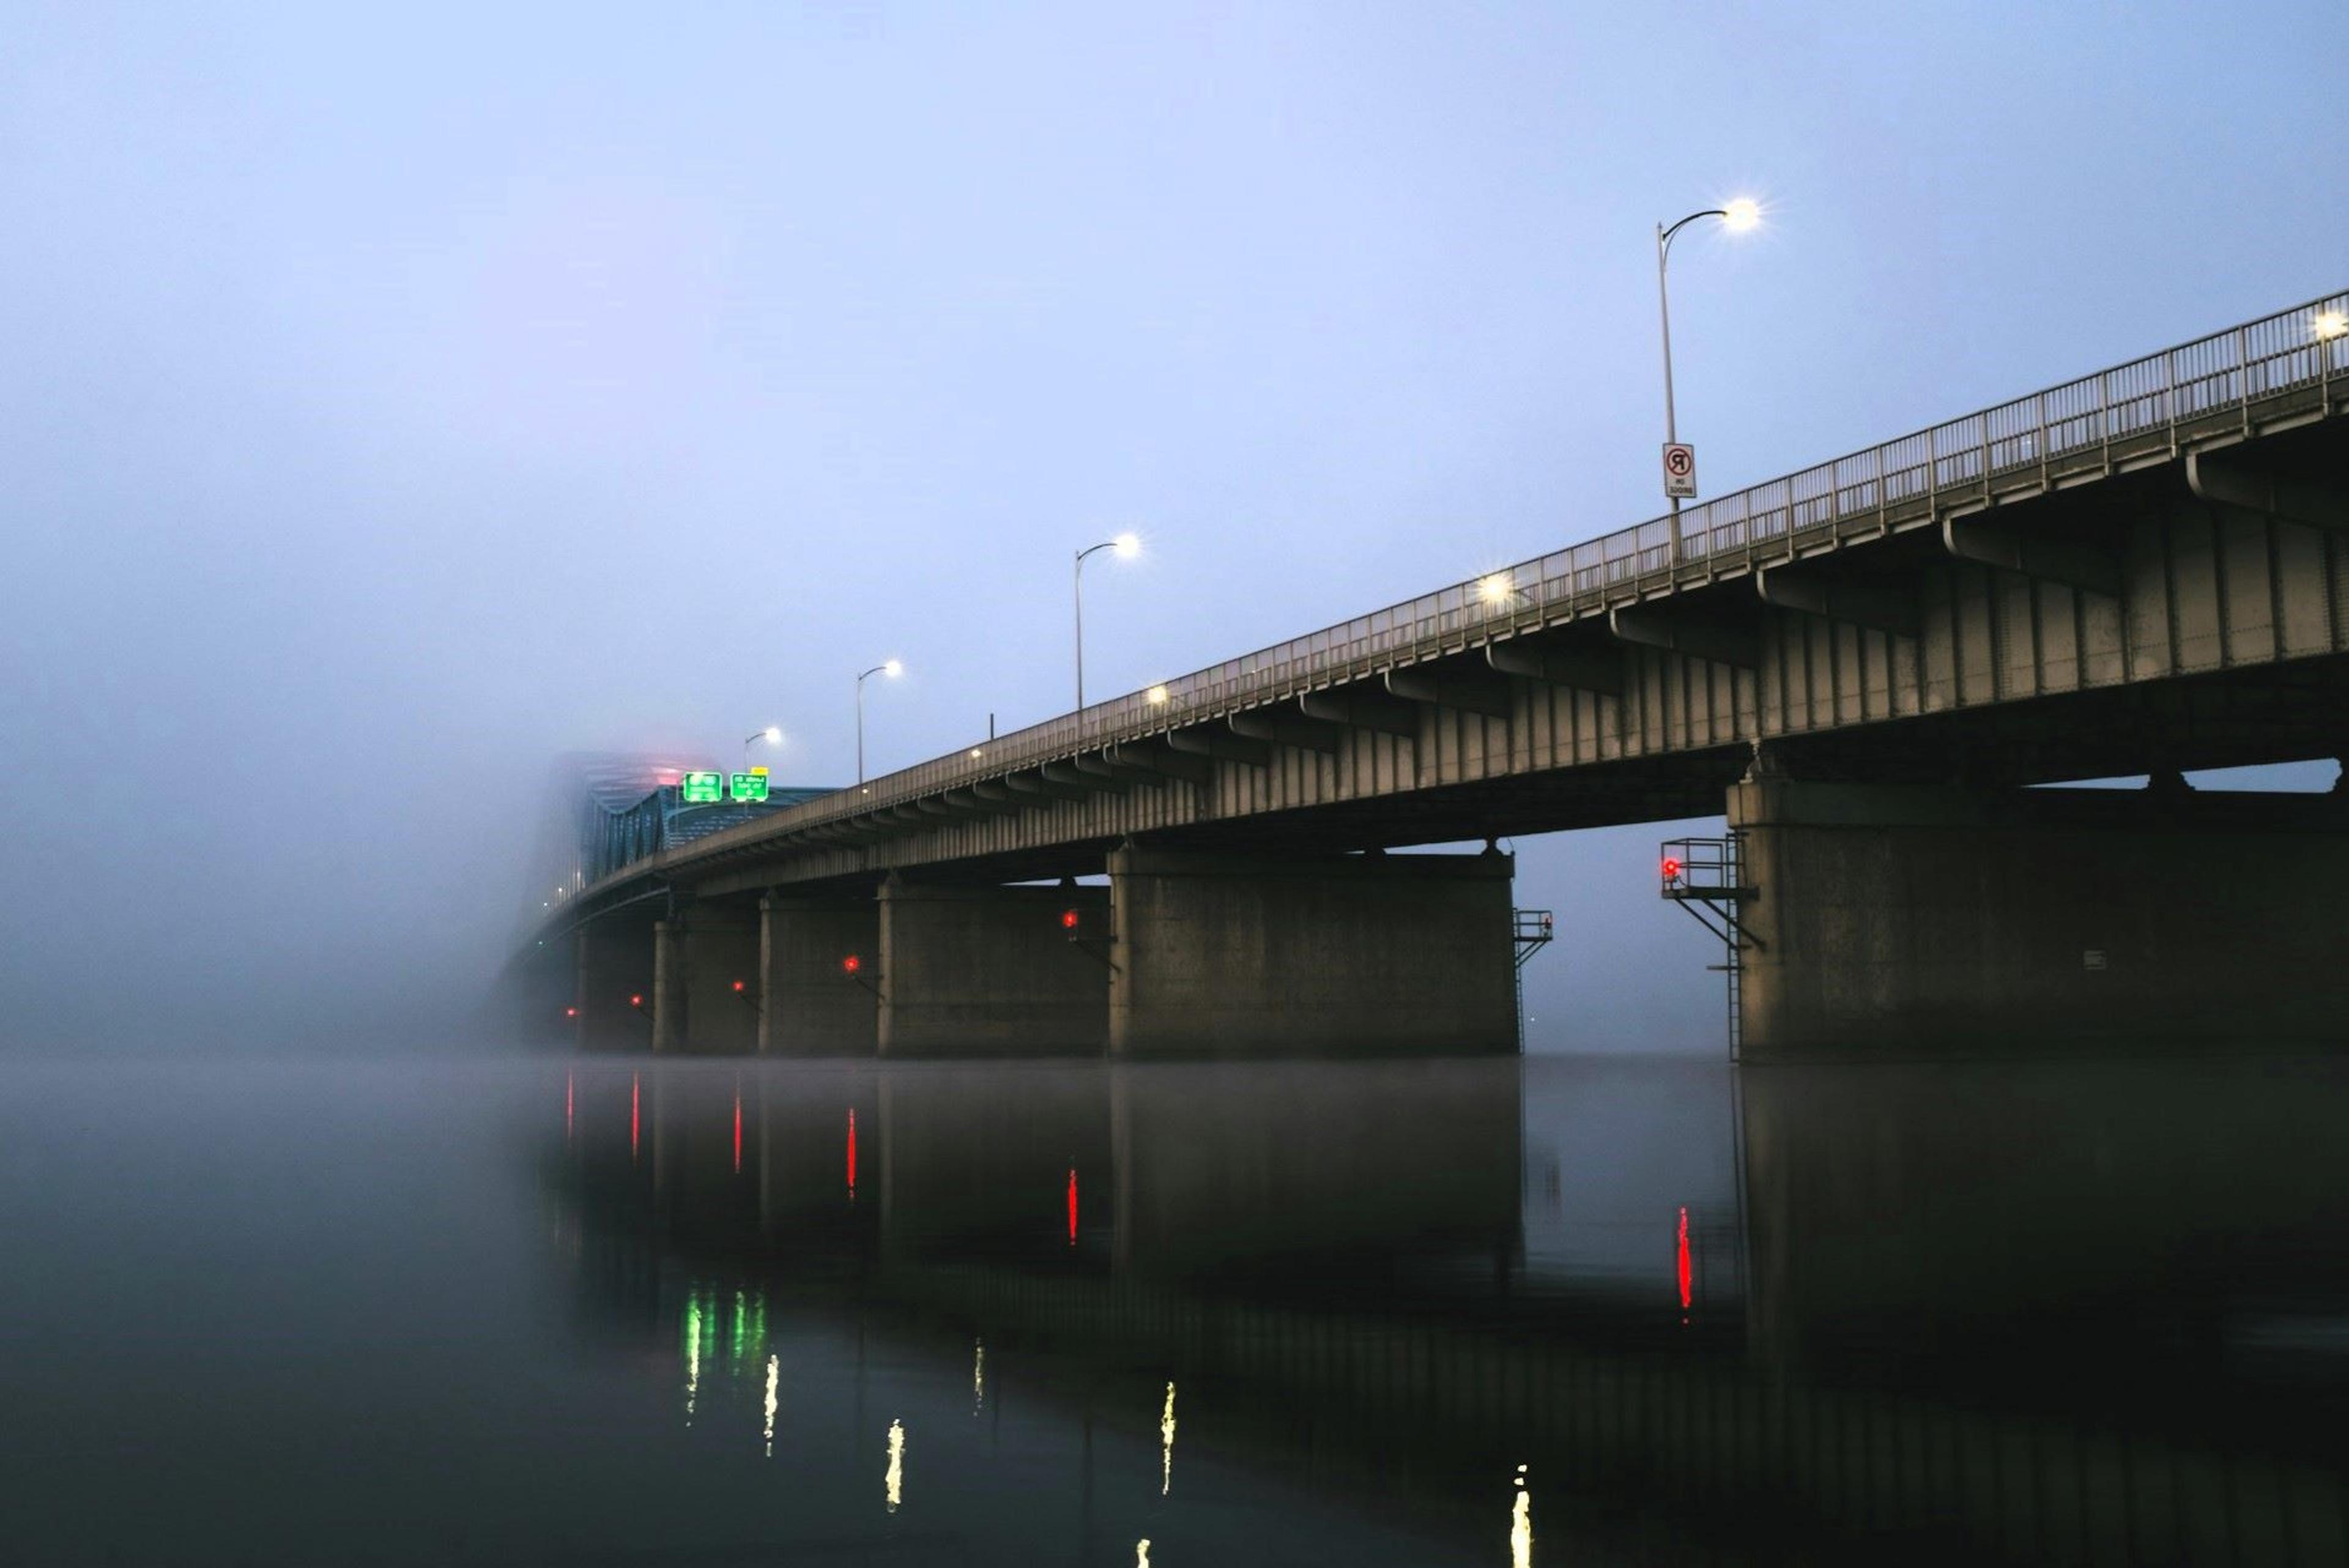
(1572, 1313)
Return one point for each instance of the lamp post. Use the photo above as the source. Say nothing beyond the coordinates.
(1737, 217)
(1127, 545)
(892, 669)
(771, 735)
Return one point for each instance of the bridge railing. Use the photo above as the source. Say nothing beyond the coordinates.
(2187, 393)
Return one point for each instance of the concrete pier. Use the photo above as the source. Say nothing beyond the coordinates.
(980, 969)
(615, 963)
(1921, 920)
(719, 950)
(1357, 955)
(810, 1004)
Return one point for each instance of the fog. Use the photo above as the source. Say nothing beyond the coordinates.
(391, 402)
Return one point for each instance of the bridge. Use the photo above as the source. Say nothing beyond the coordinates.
(1864, 664)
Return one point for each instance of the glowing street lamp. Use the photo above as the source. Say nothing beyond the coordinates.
(772, 735)
(1737, 217)
(893, 669)
(1127, 545)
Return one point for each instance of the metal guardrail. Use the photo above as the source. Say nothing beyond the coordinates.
(2196, 392)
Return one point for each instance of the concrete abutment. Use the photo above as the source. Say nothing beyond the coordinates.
(613, 964)
(1897, 919)
(1338, 955)
(812, 1002)
(978, 969)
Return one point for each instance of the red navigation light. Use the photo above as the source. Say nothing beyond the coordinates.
(1671, 868)
(636, 1000)
(570, 1013)
(851, 964)
(737, 985)
(1068, 919)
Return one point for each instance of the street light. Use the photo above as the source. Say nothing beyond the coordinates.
(892, 669)
(1127, 545)
(1737, 217)
(772, 735)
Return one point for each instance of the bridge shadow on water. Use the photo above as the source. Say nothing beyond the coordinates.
(1548, 1311)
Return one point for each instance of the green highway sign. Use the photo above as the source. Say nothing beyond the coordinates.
(751, 787)
(701, 789)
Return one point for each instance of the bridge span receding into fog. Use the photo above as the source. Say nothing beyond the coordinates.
(2140, 571)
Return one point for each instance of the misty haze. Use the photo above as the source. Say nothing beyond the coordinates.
(1503, 784)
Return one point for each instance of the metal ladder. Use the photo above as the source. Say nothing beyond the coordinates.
(1703, 876)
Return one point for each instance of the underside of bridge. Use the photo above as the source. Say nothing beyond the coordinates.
(1909, 652)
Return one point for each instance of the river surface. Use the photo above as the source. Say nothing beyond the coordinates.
(1567, 1311)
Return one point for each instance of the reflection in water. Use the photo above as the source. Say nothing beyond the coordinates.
(1994, 1311)
(694, 1325)
(893, 1482)
(1681, 1262)
(774, 1378)
(1521, 1525)
(1142, 1553)
(737, 1130)
(1166, 1443)
(851, 1153)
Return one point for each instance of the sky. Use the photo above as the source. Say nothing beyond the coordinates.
(394, 398)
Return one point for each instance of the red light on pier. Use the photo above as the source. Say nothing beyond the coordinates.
(1671, 868)
(637, 1000)
(737, 988)
(1068, 919)
(570, 1013)
(851, 964)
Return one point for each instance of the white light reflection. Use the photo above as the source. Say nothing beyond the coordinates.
(977, 1374)
(895, 1482)
(692, 1355)
(1521, 1525)
(774, 1376)
(1166, 1443)
(1142, 1553)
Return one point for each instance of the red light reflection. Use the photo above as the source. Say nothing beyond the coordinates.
(1684, 1260)
(1072, 1206)
(636, 1106)
(852, 1151)
(737, 1132)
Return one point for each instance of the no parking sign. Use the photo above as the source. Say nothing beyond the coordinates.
(1680, 470)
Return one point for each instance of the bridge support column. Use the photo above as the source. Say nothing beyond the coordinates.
(988, 971)
(668, 1000)
(810, 1004)
(1897, 919)
(1340, 955)
(720, 948)
(615, 963)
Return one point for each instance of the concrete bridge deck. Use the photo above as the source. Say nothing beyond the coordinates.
(2146, 569)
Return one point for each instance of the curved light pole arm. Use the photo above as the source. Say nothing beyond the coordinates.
(860, 678)
(1088, 550)
(1664, 312)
